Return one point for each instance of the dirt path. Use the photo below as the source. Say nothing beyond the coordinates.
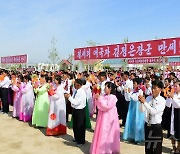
(21, 138)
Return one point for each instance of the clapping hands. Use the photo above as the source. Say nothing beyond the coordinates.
(97, 96)
(170, 94)
(141, 99)
(66, 95)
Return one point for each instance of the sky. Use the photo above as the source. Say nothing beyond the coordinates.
(28, 26)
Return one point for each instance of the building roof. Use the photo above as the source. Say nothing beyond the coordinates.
(112, 61)
(91, 61)
(119, 61)
(65, 62)
(173, 59)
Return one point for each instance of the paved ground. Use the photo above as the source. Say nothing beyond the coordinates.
(21, 138)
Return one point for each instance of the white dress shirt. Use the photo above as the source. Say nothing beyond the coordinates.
(120, 89)
(153, 107)
(148, 91)
(78, 101)
(175, 102)
(87, 89)
(5, 83)
(128, 84)
(103, 87)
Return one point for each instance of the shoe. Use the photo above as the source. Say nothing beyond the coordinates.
(74, 140)
(6, 114)
(122, 126)
(177, 152)
(79, 145)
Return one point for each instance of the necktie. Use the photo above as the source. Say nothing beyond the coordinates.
(66, 85)
(75, 93)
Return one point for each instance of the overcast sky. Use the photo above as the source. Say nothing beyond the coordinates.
(27, 26)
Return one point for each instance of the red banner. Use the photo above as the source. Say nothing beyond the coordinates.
(145, 60)
(152, 48)
(14, 59)
(174, 63)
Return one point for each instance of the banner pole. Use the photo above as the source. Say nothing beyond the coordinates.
(163, 58)
(88, 66)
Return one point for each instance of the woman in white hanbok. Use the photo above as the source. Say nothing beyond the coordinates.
(57, 112)
(27, 100)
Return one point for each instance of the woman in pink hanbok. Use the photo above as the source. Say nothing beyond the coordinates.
(106, 137)
(17, 88)
(27, 100)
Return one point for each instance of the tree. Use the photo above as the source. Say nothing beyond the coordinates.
(124, 62)
(156, 38)
(92, 43)
(125, 40)
(53, 53)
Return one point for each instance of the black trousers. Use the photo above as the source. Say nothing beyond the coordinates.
(68, 109)
(119, 104)
(153, 139)
(0, 96)
(177, 123)
(79, 125)
(125, 111)
(4, 99)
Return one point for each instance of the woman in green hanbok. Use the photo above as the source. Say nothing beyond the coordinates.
(41, 107)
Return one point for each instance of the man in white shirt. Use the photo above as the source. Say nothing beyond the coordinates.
(78, 102)
(111, 77)
(4, 90)
(103, 79)
(67, 88)
(148, 86)
(153, 106)
(172, 75)
(67, 82)
(128, 84)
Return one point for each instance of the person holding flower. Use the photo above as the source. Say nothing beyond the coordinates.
(106, 137)
(41, 108)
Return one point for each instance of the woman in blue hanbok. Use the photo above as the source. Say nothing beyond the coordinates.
(134, 127)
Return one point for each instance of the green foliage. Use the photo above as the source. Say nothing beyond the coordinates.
(20, 66)
(53, 53)
(107, 67)
(92, 43)
(125, 40)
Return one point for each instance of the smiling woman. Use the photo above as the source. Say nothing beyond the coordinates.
(106, 138)
(57, 111)
(41, 107)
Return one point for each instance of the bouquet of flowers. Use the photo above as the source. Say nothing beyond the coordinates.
(35, 80)
(97, 89)
(13, 79)
(1, 77)
(51, 90)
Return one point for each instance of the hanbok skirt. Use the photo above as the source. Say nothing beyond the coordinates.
(134, 127)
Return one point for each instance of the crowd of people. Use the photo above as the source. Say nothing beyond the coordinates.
(146, 101)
